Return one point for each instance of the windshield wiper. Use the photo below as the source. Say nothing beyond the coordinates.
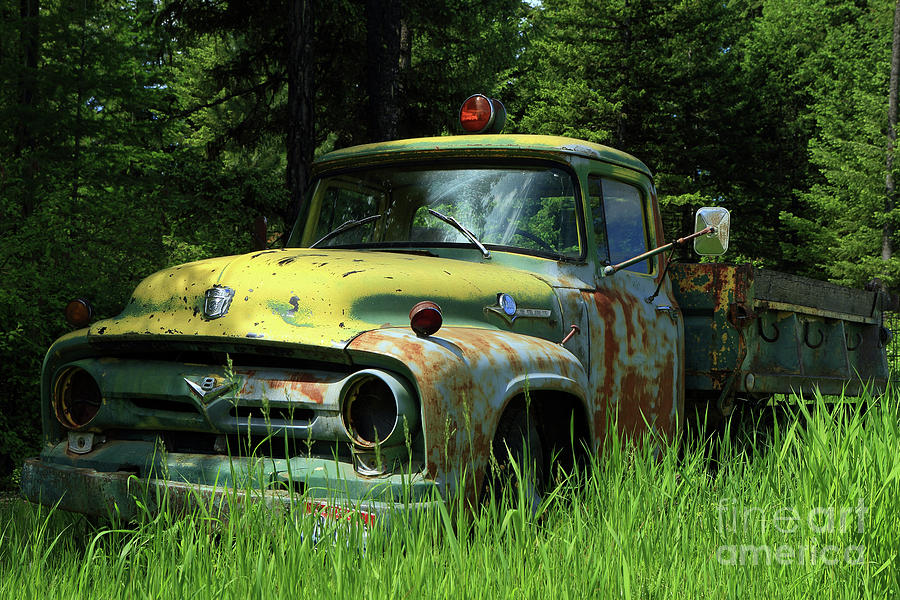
(459, 227)
(345, 226)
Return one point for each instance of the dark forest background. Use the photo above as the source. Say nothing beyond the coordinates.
(139, 134)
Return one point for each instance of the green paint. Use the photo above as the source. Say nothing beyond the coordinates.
(291, 313)
(139, 306)
(484, 145)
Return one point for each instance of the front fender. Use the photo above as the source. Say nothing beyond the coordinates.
(465, 377)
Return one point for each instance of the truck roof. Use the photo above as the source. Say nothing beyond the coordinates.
(515, 143)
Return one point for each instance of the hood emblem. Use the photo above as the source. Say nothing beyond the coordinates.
(508, 304)
(208, 387)
(217, 302)
(506, 307)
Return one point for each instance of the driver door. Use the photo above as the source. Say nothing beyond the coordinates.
(635, 342)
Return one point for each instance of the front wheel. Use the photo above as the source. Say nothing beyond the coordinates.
(517, 460)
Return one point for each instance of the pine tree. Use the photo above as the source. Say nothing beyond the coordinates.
(849, 73)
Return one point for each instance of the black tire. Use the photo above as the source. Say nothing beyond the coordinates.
(516, 441)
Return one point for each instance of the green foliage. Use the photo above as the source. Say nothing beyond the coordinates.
(848, 200)
(774, 109)
(822, 70)
(459, 48)
(103, 187)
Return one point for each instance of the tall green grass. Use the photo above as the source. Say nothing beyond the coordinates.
(633, 524)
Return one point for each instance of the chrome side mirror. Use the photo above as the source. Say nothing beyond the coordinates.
(715, 242)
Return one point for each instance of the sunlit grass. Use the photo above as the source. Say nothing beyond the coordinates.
(630, 525)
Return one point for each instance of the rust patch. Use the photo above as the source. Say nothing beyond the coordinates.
(462, 376)
(304, 385)
(310, 391)
(635, 358)
(632, 412)
(664, 407)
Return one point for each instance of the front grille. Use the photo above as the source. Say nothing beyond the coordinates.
(274, 445)
(165, 404)
(297, 416)
(189, 442)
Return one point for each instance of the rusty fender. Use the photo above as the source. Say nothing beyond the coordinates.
(465, 378)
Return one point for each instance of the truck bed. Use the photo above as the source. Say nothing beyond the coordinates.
(755, 332)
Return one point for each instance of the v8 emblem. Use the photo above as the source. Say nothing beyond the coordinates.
(207, 388)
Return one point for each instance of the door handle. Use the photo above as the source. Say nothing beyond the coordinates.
(668, 309)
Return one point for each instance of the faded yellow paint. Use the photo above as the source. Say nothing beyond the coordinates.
(319, 297)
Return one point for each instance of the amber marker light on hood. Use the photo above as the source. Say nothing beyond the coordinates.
(79, 313)
(425, 318)
(480, 114)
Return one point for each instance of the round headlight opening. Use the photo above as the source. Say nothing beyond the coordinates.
(370, 411)
(76, 398)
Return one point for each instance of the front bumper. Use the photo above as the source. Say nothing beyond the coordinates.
(217, 484)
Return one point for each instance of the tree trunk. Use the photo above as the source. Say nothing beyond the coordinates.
(405, 46)
(887, 233)
(622, 114)
(301, 126)
(79, 101)
(383, 67)
(25, 142)
(29, 36)
(404, 128)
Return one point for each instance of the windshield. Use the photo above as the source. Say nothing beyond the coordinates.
(530, 209)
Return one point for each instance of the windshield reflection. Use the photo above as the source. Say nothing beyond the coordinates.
(531, 209)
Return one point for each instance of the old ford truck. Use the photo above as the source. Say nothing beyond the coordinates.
(442, 305)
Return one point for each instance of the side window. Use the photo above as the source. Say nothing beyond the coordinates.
(621, 226)
(595, 193)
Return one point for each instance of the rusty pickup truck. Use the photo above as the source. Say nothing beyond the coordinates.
(443, 305)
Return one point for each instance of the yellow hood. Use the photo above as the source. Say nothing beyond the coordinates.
(326, 298)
